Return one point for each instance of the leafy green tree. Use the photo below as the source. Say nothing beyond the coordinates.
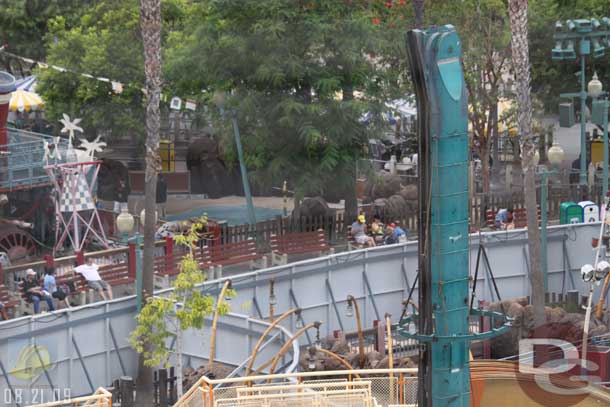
(105, 42)
(24, 25)
(164, 318)
(301, 76)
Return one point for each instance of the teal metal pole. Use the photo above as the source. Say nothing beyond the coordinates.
(583, 125)
(605, 169)
(543, 220)
(244, 173)
(139, 272)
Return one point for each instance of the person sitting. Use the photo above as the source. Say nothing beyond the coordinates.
(89, 271)
(377, 229)
(50, 285)
(503, 218)
(358, 232)
(34, 293)
(395, 234)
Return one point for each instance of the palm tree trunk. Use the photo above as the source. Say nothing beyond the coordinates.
(517, 10)
(418, 5)
(150, 24)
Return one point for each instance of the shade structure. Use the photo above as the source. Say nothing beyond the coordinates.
(24, 101)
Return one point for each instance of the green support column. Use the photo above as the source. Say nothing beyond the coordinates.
(244, 172)
(543, 220)
(605, 169)
(138, 239)
(583, 125)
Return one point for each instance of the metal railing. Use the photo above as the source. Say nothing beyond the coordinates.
(381, 387)
(22, 163)
(101, 398)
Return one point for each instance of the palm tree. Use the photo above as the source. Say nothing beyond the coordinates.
(517, 11)
(150, 25)
(418, 5)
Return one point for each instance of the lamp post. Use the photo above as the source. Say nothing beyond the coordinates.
(272, 299)
(589, 34)
(555, 156)
(125, 223)
(600, 108)
(352, 305)
(221, 297)
(285, 315)
(219, 99)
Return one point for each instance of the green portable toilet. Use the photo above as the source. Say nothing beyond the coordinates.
(570, 212)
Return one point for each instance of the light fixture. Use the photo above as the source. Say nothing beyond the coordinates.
(229, 288)
(555, 154)
(536, 157)
(272, 297)
(595, 87)
(299, 322)
(125, 221)
(349, 312)
(143, 217)
(311, 359)
(317, 343)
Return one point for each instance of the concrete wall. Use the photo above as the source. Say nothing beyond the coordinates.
(379, 278)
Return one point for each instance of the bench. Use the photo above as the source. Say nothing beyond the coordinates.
(297, 243)
(519, 217)
(78, 282)
(115, 274)
(10, 303)
(227, 254)
(168, 266)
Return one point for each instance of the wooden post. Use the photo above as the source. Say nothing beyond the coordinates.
(126, 389)
(163, 388)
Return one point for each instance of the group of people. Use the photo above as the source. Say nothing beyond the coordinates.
(35, 292)
(379, 234)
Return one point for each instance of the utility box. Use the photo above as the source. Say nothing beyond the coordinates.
(599, 111)
(597, 151)
(168, 155)
(567, 118)
(590, 211)
(570, 212)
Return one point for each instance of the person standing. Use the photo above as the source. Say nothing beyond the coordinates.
(50, 285)
(34, 293)
(89, 271)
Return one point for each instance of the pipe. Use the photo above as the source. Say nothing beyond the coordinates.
(338, 359)
(262, 338)
(221, 296)
(388, 325)
(351, 300)
(284, 348)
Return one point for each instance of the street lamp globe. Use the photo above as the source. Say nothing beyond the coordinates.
(143, 217)
(536, 158)
(555, 154)
(125, 222)
(595, 87)
(219, 98)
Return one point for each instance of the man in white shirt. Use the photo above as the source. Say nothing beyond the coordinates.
(94, 281)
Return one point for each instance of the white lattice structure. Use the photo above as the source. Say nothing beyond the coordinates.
(76, 216)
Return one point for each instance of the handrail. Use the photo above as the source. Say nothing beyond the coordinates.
(100, 394)
(208, 383)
